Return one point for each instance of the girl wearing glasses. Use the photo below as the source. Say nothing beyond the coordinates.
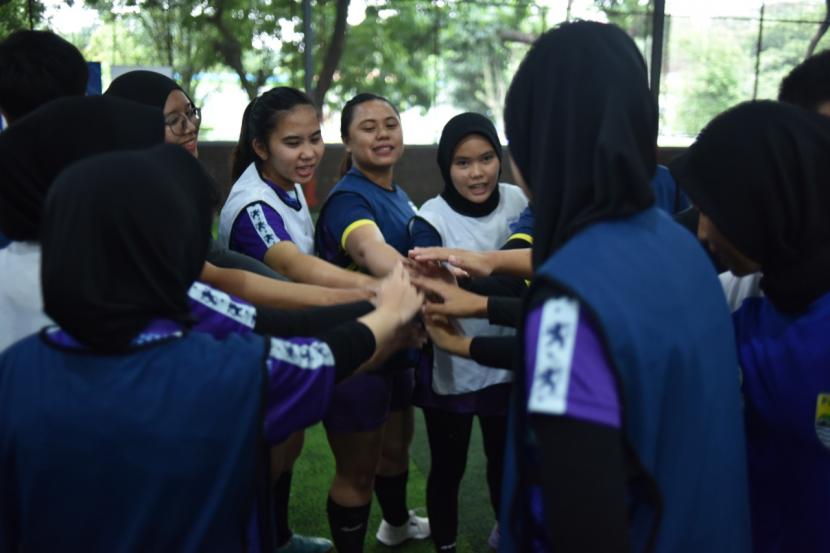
(181, 117)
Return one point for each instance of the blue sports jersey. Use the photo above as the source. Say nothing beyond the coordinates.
(667, 195)
(523, 228)
(785, 362)
(354, 202)
(155, 449)
(665, 326)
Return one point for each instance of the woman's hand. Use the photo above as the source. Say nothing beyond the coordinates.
(450, 300)
(397, 297)
(462, 263)
(445, 335)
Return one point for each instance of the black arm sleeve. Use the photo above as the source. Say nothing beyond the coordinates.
(351, 344)
(495, 285)
(498, 352)
(221, 256)
(284, 323)
(504, 311)
(583, 483)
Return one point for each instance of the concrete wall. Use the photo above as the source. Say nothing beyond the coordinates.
(417, 172)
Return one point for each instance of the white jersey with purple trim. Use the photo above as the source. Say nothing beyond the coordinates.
(250, 189)
(451, 374)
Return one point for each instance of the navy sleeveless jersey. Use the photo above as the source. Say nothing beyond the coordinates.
(667, 331)
(390, 210)
(154, 450)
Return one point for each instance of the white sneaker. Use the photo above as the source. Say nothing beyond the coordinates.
(416, 528)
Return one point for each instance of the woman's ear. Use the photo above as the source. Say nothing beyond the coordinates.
(260, 150)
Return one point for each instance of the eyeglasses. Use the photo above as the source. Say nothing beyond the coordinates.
(178, 121)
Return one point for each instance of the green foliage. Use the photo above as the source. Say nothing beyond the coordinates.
(15, 15)
(478, 63)
(785, 42)
(717, 80)
(391, 53)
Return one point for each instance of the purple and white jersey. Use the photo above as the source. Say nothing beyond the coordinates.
(219, 314)
(300, 370)
(259, 214)
(300, 385)
(566, 366)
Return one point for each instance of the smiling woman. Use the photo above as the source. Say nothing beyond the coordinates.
(182, 118)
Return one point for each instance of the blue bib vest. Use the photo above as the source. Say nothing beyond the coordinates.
(157, 449)
(665, 325)
(785, 361)
(392, 211)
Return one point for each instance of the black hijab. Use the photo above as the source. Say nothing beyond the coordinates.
(143, 243)
(145, 87)
(38, 147)
(457, 129)
(582, 128)
(760, 171)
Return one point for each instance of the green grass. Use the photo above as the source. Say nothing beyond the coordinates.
(315, 468)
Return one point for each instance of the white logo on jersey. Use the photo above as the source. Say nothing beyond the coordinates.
(261, 225)
(305, 356)
(222, 303)
(554, 354)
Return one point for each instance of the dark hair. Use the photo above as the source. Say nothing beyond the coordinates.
(346, 117)
(37, 67)
(259, 121)
(808, 85)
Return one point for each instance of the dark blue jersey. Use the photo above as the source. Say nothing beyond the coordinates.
(354, 202)
(785, 361)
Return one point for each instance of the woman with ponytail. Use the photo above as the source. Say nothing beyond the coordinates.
(266, 217)
(364, 225)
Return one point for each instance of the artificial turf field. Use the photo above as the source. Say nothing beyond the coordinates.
(315, 468)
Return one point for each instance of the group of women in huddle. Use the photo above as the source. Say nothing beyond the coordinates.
(164, 406)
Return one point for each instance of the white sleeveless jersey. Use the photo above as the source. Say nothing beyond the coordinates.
(249, 189)
(452, 374)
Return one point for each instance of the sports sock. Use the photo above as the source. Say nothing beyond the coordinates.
(279, 496)
(391, 494)
(348, 526)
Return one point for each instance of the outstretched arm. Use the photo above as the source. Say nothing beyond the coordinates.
(273, 293)
(479, 264)
(287, 259)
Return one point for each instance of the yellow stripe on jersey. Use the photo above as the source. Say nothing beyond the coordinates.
(351, 228)
(521, 236)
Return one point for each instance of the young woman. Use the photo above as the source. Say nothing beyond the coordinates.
(182, 120)
(266, 218)
(363, 225)
(473, 212)
(758, 173)
(122, 406)
(32, 153)
(628, 431)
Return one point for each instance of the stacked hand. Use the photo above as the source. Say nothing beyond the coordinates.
(461, 263)
(449, 300)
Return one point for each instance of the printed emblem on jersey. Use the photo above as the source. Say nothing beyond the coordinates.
(222, 303)
(554, 355)
(263, 229)
(823, 419)
(305, 356)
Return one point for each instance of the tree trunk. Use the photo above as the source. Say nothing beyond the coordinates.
(822, 28)
(231, 51)
(333, 53)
